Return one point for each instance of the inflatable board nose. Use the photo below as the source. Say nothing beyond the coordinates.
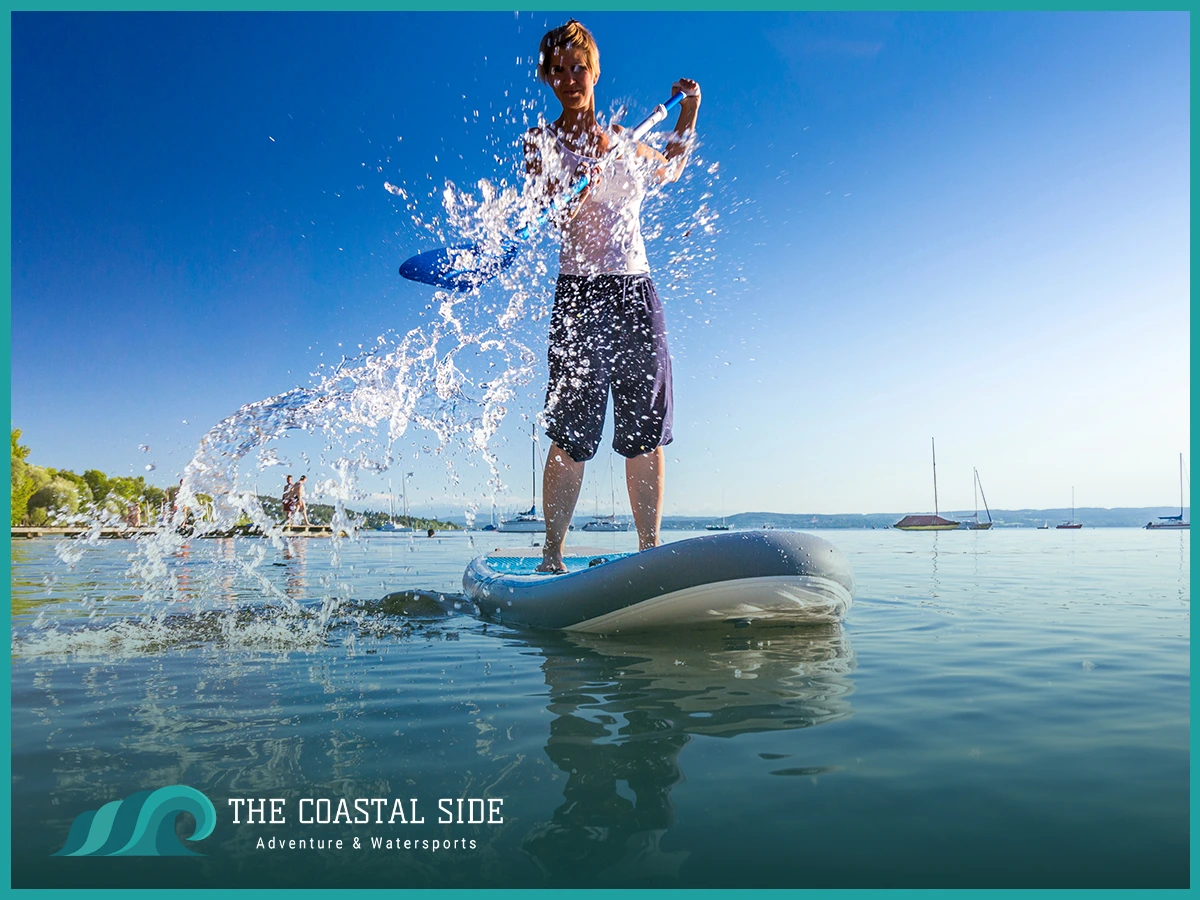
(737, 577)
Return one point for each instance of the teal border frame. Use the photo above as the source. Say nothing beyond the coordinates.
(6, 350)
(482, 6)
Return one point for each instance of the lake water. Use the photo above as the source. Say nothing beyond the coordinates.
(1000, 709)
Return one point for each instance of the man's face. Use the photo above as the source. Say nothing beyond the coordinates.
(571, 80)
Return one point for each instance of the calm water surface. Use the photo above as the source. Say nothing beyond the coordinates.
(1000, 709)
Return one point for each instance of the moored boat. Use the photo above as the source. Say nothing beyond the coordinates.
(722, 526)
(977, 525)
(926, 523)
(609, 522)
(929, 523)
(606, 523)
(1173, 522)
(391, 525)
(1072, 524)
(528, 521)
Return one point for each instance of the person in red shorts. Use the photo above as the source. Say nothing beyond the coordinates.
(288, 500)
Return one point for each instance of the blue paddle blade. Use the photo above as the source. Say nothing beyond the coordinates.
(459, 267)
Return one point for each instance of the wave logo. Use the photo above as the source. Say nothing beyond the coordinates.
(143, 824)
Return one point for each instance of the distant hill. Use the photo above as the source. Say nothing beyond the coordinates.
(322, 514)
(1090, 517)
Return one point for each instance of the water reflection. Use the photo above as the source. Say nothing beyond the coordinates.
(625, 709)
(1185, 569)
(935, 585)
(436, 719)
(295, 555)
(24, 588)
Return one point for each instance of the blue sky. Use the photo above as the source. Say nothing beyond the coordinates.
(967, 226)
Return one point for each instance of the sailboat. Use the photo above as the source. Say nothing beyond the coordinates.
(1072, 523)
(491, 525)
(928, 523)
(390, 524)
(609, 522)
(713, 526)
(977, 525)
(1173, 521)
(528, 521)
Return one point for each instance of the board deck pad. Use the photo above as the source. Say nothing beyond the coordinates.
(536, 552)
(509, 562)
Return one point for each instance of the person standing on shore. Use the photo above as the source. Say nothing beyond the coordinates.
(288, 500)
(299, 507)
(181, 516)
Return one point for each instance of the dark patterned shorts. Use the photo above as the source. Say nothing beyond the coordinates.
(608, 332)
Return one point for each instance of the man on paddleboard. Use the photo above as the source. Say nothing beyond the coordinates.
(607, 329)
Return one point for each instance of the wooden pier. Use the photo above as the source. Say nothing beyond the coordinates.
(70, 531)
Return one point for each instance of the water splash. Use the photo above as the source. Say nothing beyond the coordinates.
(454, 378)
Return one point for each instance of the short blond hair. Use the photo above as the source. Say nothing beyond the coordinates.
(572, 35)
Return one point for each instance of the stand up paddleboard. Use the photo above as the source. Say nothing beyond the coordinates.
(738, 578)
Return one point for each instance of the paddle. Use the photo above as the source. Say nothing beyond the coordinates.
(464, 266)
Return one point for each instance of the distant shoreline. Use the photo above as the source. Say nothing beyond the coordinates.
(1089, 517)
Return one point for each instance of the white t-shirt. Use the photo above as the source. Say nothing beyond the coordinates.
(605, 236)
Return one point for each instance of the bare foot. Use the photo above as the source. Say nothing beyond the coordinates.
(552, 563)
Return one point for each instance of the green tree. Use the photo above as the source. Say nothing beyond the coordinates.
(98, 483)
(38, 493)
(122, 491)
(126, 486)
(83, 490)
(154, 497)
(57, 495)
(22, 481)
(40, 477)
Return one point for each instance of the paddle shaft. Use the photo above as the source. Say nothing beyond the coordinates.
(465, 266)
(576, 188)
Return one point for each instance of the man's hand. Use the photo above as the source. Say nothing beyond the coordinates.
(690, 90)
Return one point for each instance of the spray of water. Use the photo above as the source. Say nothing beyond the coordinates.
(361, 407)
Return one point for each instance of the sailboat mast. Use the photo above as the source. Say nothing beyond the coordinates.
(933, 446)
(1180, 487)
(983, 495)
(533, 462)
(612, 487)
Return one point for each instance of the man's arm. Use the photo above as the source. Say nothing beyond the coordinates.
(680, 143)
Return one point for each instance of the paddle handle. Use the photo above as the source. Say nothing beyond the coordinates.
(657, 115)
(576, 188)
